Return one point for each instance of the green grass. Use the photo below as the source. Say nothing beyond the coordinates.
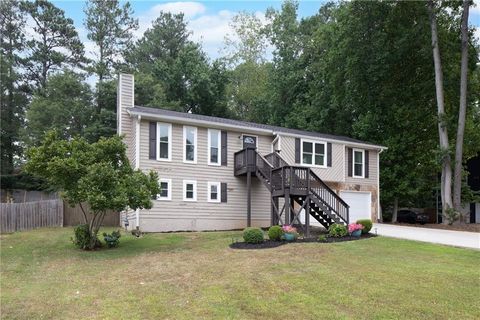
(196, 275)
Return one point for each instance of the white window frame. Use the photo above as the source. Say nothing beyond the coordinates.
(209, 192)
(353, 163)
(169, 125)
(194, 183)
(194, 143)
(169, 190)
(218, 132)
(313, 142)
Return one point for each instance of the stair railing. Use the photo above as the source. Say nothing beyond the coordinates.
(328, 197)
(276, 160)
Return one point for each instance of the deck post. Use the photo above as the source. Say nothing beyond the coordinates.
(307, 207)
(249, 198)
(307, 217)
(287, 206)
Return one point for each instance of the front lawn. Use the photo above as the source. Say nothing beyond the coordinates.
(196, 275)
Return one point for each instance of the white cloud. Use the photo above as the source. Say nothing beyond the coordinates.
(475, 8)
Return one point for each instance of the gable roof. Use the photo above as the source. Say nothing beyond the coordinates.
(157, 113)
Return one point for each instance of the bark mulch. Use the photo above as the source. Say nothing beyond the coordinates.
(267, 244)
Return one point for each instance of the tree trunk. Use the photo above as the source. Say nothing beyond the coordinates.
(446, 181)
(395, 210)
(457, 182)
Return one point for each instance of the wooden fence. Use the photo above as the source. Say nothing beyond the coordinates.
(30, 215)
(74, 216)
(46, 213)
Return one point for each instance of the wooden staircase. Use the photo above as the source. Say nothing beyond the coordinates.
(293, 184)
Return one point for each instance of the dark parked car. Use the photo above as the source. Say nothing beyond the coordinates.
(411, 217)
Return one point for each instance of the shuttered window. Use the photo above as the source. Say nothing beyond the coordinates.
(214, 155)
(314, 153)
(189, 144)
(358, 163)
(164, 138)
(214, 192)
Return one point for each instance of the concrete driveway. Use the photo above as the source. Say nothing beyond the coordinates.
(448, 237)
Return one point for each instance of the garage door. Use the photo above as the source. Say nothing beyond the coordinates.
(360, 204)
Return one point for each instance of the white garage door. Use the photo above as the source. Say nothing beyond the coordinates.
(360, 204)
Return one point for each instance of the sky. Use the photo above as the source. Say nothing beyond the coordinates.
(208, 20)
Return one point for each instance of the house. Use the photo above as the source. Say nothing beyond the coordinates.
(221, 174)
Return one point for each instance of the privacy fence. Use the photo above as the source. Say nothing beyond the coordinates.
(45, 213)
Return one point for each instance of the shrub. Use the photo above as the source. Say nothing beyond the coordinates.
(112, 239)
(367, 225)
(322, 238)
(275, 233)
(253, 235)
(83, 237)
(337, 230)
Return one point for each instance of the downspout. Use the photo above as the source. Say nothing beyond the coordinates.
(379, 214)
(274, 141)
(137, 161)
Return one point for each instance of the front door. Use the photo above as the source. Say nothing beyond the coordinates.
(249, 141)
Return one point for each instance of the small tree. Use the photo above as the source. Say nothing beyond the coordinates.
(99, 174)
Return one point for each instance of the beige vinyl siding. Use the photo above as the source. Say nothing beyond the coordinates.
(372, 169)
(203, 215)
(333, 173)
(126, 124)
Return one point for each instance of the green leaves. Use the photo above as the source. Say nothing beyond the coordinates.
(97, 173)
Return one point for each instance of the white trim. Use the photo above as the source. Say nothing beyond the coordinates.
(119, 105)
(204, 123)
(345, 142)
(209, 192)
(194, 183)
(170, 142)
(169, 190)
(363, 163)
(219, 147)
(250, 135)
(137, 142)
(194, 143)
(313, 142)
(247, 129)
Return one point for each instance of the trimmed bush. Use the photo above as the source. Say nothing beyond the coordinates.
(367, 225)
(82, 237)
(253, 235)
(337, 230)
(112, 239)
(275, 233)
(322, 238)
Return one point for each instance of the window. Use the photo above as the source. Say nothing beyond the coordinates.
(214, 192)
(165, 190)
(190, 144)
(189, 190)
(313, 153)
(214, 147)
(358, 163)
(164, 138)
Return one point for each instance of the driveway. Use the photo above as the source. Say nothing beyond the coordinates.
(448, 237)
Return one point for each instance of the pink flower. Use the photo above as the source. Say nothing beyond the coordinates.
(354, 227)
(289, 229)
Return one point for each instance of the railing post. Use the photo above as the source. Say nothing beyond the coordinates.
(307, 206)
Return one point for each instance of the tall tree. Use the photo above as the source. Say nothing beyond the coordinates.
(248, 43)
(55, 43)
(245, 50)
(110, 26)
(12, 89)
(283, 32)
(65, 105)
(178, 69)
(457, 182)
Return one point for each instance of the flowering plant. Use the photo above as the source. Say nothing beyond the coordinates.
(354, 227)
(289, 229)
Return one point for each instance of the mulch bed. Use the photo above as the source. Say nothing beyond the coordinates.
(267, 244)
